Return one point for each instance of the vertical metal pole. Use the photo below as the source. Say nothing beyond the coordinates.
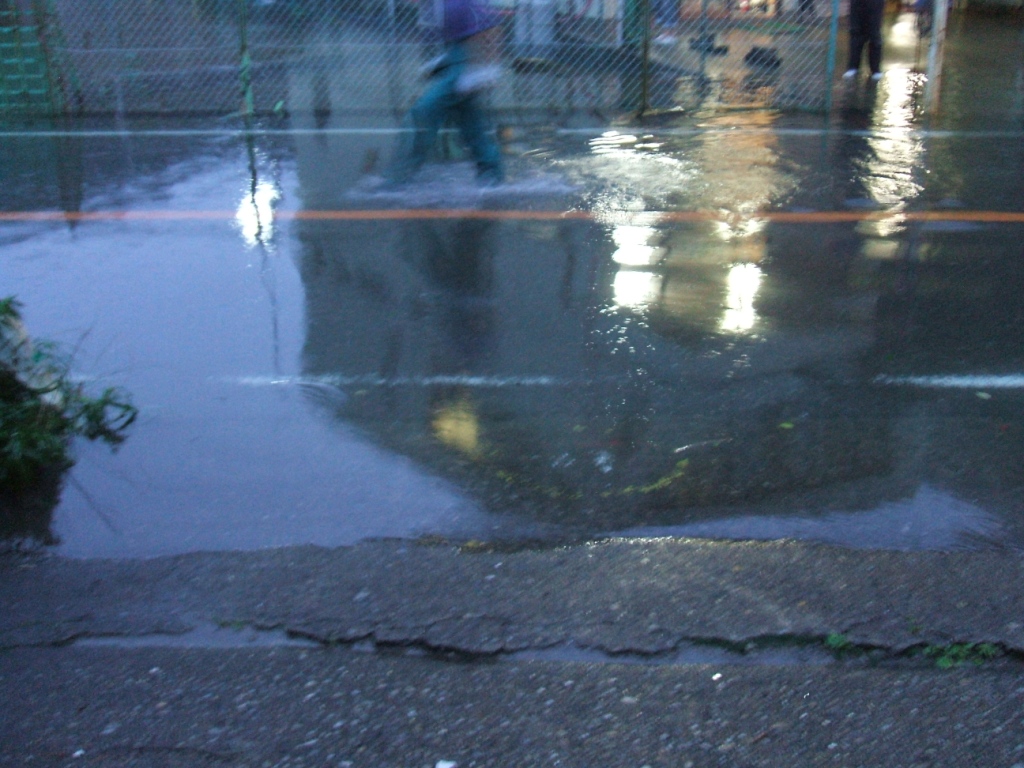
(935, 55)
(645, 69)
(830, 64)
(1018, 100)
(245, 71)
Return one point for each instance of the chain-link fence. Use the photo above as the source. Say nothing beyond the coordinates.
(364, 56)
(33, 74)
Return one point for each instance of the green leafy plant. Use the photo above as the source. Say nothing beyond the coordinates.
(42, 408)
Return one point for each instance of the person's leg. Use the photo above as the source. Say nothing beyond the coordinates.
(476, 132)
(857, 42)
(858, 36)
(424, 119)
(873, 30)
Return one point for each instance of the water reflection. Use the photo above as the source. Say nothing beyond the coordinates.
(47, 171)
(673, 373)
(624, 373)
(255, 215)
(633, 289)
(458, 265)
(930, 519)
(741, 290)
(647, 350)
(635, 246)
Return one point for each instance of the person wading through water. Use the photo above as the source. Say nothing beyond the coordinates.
(454, 91)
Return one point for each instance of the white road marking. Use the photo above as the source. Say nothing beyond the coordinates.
(596, 131)
(1006, 381)
(371, 380)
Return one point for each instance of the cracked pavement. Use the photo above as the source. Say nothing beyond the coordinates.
(453, 678)
(620, 596)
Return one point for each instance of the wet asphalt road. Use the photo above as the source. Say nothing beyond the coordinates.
(749, 325)
(629, 653)
(744, 325)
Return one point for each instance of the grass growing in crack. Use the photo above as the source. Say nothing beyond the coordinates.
(840, 645)
(957, 654)
(42, 408)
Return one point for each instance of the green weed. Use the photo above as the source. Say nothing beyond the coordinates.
(839, 644)
(958, 654)
(42, 409)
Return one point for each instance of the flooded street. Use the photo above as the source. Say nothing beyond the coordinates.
(747, 325)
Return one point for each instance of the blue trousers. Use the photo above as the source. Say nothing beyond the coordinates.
(440, 101)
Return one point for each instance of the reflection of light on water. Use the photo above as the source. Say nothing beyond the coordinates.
(741, 289)
(741, 169)
(931, 519)
(736, 227)
(624, 211)
(633, 248)
(903, 32)
(635, 289)
(255, 215)
(632, 229)
(611, 142)
(896, 151)
(456, 425)
(625, 165)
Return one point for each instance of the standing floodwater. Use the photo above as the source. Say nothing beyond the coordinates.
(742, 325)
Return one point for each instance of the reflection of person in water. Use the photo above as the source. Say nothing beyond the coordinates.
(459, 266)
(455, 90)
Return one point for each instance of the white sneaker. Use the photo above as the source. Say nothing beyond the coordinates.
(876, 75)
(849, 74)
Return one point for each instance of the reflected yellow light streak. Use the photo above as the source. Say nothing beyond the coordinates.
(741, 286)
(903, 32)
(634, 289)
(736, 227)
(896, 152)
(633, 247)
(255, 214)
(880, 250)
(457, 426)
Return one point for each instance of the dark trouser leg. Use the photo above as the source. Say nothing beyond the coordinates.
(866, 29)
(877, 10)
(475, 130)
(858, 34)
(424, 120)
(857, 42)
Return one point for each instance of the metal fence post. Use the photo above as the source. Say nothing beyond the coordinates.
(645, 52)
(935, 55)
(830, 64)
(245, 71)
